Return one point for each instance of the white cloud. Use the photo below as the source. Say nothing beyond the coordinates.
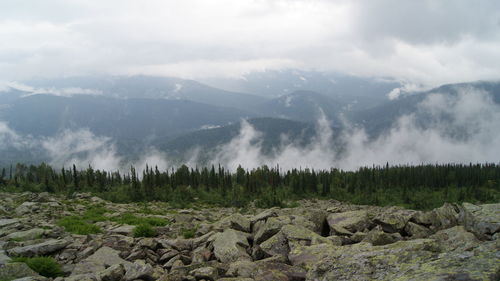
(458, 129)
(63, 92)
(424, 42)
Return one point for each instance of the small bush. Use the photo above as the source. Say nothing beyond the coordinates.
(144, 230)
(77, 225)
(45, 266)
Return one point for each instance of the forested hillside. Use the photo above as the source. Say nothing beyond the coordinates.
(419, 187)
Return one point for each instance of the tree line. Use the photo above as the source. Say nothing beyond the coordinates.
(412, 186)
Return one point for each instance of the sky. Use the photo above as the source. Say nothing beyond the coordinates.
(424, 42)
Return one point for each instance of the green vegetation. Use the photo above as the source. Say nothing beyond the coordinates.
(188, 233)
(78, 225)
(45, 266)
(417, 187)
(144, 230)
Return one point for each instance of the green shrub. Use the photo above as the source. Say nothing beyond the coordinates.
(45, 266)
(78, 225)
(144, 230)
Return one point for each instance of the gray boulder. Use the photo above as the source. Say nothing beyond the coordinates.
(230, 246)
(482, 220)
(41, 249)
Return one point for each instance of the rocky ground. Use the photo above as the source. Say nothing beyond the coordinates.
(319, 240)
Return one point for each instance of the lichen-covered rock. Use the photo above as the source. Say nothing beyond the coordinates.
(443, 217)
(34, 233)
(11, 271)
(206, 273)
(456, 238)
(394, 219)
(483, 220)
(377, 237)
(416, 231)
(265, 229)
(99, 261)
(352, 220)
(236, 222)
(40, 249)
(276, 245)
(230, 246)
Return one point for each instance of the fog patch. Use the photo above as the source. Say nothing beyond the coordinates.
(446, 128)
(6, 86)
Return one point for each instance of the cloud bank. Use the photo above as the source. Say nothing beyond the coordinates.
(445, 128)
(423, 42)
(458, 128)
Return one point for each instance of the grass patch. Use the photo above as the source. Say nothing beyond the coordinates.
(45, 266)
(84, 224)
(144, 230)
(78, 225)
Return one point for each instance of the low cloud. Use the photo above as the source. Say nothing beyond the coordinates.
(6, 86)
(446, 128)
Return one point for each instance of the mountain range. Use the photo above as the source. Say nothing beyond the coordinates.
(175, 115)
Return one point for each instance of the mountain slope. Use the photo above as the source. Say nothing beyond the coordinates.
(302, 106)
(46, 115)
(152, 87)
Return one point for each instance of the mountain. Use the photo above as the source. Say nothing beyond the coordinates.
(133, 118)
(302, 106)
(380, 118)
(152, 87)
(356, 92)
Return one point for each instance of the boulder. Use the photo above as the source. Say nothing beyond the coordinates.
(26, 208)
(11, 271)
(230, 246)
(265, 229)
(377, 237)
(206, 273)
(417, 231)
(443, 217)
(234, 221)
(264, 215)
(456, 238)
(3, 257)
(482, 220)
(34, 233)
(103, 258)
(7, 222)
(41, 249)
(112, 273)
(276, 245)
(138, 270)
(243, 268)
(394, 219)
(352, 220)
(123, 230)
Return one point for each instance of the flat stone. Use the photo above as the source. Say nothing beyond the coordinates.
(41, 249)
(230, 246)
(123, 230)
(15, 270)
(7, 222)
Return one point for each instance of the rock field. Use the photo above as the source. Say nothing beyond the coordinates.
(319, 240)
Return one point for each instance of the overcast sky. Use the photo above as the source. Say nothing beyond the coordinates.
(428, 42)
